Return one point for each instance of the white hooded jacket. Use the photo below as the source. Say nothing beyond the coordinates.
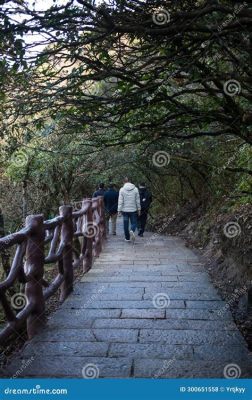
(129, 199)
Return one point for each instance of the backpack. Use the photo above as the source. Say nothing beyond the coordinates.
(145, 199)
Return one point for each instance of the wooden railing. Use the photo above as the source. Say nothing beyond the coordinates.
(87, 226)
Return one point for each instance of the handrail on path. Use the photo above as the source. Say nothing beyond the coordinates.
(31, 242)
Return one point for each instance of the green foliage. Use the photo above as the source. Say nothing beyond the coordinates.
(110, 89)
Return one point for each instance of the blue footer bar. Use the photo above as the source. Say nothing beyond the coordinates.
(122, 389)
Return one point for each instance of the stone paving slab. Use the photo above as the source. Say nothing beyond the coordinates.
(62, 335)
(83, 289)
(185, 295)
(184, 369)
(210, 305)
(113, 297)
(115, 304)
(140, 350)
(72, 367)
(164, 324)
(198, 314)
(129, 278)
(88, 315)
(63, 321)
(112, 322)
(133, 313)
(190, 337)
(83, 349)
(231, 354)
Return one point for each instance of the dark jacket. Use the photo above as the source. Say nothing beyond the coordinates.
(99, 192)
(111, 201)
(145, 199)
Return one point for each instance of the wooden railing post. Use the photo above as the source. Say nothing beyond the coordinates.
(96, 227)
(103, 220)
(34, 272)
(87, 249)
(67, 232)
(87, 223)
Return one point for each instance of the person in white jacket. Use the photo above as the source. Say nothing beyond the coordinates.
(129, 205)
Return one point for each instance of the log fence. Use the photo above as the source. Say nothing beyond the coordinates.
(86, 226)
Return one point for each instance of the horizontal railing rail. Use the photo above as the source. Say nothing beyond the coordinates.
(73, 238)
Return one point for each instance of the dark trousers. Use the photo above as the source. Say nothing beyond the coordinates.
(132, 218)
(142, 219)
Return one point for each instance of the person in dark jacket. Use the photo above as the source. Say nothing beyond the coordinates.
(145, 200)
(100, 191)
(111, 204)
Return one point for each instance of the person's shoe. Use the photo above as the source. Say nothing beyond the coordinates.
(140, 234)
(132, 236)
(127, 240)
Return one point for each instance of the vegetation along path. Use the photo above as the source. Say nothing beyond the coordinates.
(143, 310)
